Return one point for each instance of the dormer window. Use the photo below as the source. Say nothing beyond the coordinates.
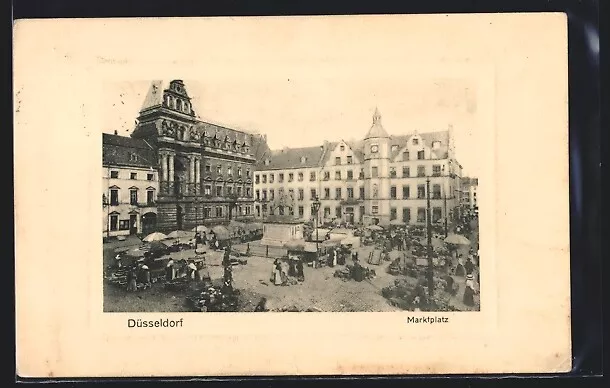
(394, 148)
(303, 159)
(267, 162)
(342, 148)
(415, 142)
(436, 145)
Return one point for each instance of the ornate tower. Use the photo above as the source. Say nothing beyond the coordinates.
(377, 172)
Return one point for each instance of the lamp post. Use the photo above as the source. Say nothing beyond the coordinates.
(315, 207)
(429, 235)
(105, 205)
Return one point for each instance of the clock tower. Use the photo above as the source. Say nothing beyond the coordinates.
(377, 173)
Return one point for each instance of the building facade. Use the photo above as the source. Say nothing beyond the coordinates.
(130, 186)
(205, 170)
(469, 189)
(373, 181)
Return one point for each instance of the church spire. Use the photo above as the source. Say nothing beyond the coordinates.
(376, 130)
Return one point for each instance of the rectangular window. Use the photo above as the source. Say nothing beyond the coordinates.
(291, 193)
(392, 172)
(218, 169)
(437, 214)
(248, 192)
(406, 172)
(290, 177)
(342, 148)
(301, 211)
(361, 174)
(421, 191)
(326, 212)
(149, 177)
(150, 197)
(114, 197)
(436, 191)
(393, 213)
(421, 214)
(257, 179)
(218, 211)
(337, 175)
(114, 222)
(350, 192)
(124, 225)
(133, 175)
(326, 193)
(338, 193)
(258, 211)
(415, 141)
(350, 174)
(436, 170)
(420, 155)
(349, 160)
(300, 177)
(271, 194)
(207, 190)
(239, 171)
(312, 176)
(405, 156)
(405, 192)
(362, 193)
(326, 175)
(374, 172)
(133, 197)
(280, 192)
(115, 175)
(421, 171)
(406, 215)
(264, 208)
(219, 191)
(313, 193)
(281, 178)
(247, 173)
(229, 190)
(208, 168)
(264, 178)
(337, 161)
(264, 195)
(338, 212)
(229, 170)
(248, 210)
(301, 194)
(393, 192)
(239, 191)
(375, 209)
(271, 178)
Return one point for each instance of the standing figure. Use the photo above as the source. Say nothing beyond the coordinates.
(131, 280)
(469, 291)
(146, 276)
(469, 266)
(192, 271)
(261, 306)
(169, 270)
(277, 274)
(300, 270)
(118, 261)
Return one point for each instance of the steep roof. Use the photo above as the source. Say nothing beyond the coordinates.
(154, 97)
(428, 138)
(126, 151)
(291, 158)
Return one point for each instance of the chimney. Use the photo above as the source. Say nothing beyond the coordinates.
(115, 132)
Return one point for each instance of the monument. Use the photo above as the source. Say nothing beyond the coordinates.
(281, 226)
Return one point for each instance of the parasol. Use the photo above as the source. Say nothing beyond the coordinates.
(396, 222)
(180, 234)
(457, 239)
(221, 233)
(295, 245)
(156, 236)
(200, 229)
(374, 227)
(135, 252)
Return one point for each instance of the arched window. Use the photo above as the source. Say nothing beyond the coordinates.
(179, 105)
(187, 107)
(167, 100)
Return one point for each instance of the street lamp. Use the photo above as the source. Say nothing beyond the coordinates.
(429, 235)
(315, 208)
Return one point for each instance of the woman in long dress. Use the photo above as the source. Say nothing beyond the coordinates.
(169, 270)
(300, 271)
(469, 291)
(277, 274)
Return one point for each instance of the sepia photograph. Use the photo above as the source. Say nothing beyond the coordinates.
(326, 192)
(362, 215)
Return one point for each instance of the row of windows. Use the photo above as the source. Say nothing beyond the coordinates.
(218, 211)
(350, 160)
(114, 174)
(405, 154)
(133, 197)
(406, 173)
(229, 170)
(228, 190)
(406, 193)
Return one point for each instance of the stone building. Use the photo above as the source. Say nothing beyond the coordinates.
(205, 170)
(469, 190)
(378, 179)
(130, 186)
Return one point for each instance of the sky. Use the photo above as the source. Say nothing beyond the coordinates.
(305, 111)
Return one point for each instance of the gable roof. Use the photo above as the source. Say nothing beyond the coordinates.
(428, 138)
(126, 151)
(291, 158)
